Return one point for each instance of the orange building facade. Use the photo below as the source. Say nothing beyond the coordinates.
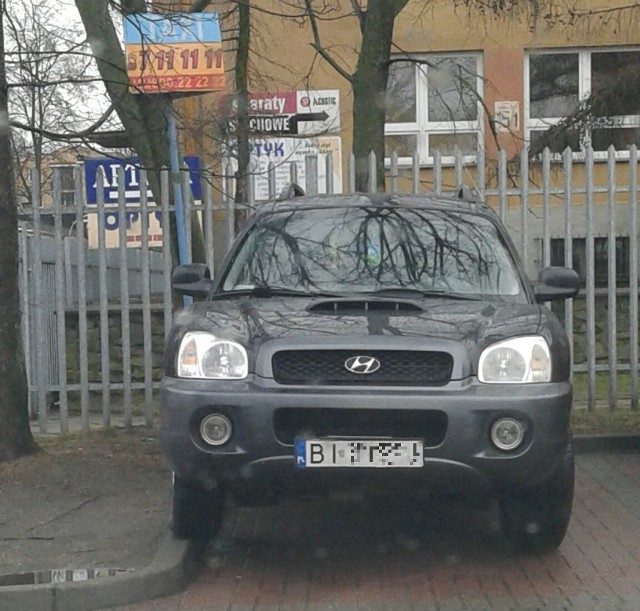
(459, 78)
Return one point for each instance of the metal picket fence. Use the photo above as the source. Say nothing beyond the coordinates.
(96, 311)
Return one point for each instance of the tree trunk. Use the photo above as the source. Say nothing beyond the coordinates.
(142, 115)
(15, 434)
(369, 84)
(242, 109)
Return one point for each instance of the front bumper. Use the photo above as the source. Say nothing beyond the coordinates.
(463, 461)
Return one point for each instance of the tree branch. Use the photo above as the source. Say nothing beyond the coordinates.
(43, 84)
(197, 6)
(398, 6)
(69, 136)
(359, 13)
(317, 44)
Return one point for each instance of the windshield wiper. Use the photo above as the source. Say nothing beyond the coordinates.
(269, 291)
(420, 294)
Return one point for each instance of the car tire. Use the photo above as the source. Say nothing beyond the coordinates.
(196, 513)
(536, 521)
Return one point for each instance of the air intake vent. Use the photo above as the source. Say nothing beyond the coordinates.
(362, 306)
(292, 422)
(396, 368)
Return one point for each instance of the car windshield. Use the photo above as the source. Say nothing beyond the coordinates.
(360, 250)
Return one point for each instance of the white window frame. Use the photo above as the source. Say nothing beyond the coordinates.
(422, 127)
(584, 91)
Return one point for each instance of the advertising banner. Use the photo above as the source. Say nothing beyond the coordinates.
(180, 53)
(132, 189)
(293, 113)
(284, 151)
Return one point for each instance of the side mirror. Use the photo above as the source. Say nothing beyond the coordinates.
(556, 283)
(193, 279)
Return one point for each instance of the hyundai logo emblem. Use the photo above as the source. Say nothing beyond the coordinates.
(362, 364)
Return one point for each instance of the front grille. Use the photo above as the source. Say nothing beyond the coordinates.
(397, 368)
(308, 423)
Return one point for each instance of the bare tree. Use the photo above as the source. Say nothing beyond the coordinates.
(142, 116)
(376, 19)
(15, 435)
(615, 92)
(242, 100)
(48, 71)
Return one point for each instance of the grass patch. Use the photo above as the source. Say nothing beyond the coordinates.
(603, 421)
(136, 445)
(581, 386)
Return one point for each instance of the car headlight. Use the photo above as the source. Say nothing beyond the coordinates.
(203, 355)
(520, 360)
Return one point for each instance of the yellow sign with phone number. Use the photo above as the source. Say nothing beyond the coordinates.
(173, 54)
(163, 68)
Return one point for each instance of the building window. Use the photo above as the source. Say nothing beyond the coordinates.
(433, 104)
(67, 185)
(558, 82)
(601, 259)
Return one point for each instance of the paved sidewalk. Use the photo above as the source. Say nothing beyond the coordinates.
(85, 525)
(345, 556)
(108, 511)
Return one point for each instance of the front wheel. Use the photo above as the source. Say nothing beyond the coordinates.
(536, 521)
(196, 512)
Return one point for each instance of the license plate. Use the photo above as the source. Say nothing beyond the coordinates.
(375, 453)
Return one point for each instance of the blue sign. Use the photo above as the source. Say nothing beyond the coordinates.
(145, 28)
(131, 172)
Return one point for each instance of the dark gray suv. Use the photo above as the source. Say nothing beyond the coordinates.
(377, 343)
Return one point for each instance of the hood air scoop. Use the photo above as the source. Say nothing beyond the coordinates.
(363, 305)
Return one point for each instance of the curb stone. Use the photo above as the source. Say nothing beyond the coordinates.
(169, 573)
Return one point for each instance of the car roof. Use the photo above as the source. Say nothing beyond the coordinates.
(356, 200)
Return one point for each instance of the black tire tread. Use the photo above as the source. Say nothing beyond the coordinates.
(196, 513)
(536, 521)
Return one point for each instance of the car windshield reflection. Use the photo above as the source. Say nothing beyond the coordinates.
(373, 251)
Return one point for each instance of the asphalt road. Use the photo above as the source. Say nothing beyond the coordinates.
(346, 555)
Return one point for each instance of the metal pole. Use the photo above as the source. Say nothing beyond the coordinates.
(166, 251)
(633, 275)
(82, 300)
(612, 301)
(172, 133)
(105, 359)
(591, 287)
(125, 320)
(568, 245)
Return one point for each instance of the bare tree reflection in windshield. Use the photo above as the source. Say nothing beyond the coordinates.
(359, 250)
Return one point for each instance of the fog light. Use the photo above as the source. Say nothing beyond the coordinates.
(215, 429)
(507, 433)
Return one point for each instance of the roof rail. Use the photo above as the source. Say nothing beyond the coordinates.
(291, 190)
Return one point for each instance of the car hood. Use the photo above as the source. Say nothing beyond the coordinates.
(253, 321)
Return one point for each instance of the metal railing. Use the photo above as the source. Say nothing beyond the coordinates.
(95, 319)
